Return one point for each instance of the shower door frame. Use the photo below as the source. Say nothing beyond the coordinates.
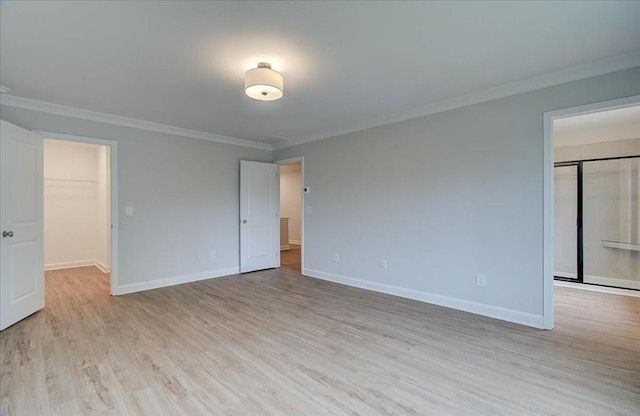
(579, 220)
(579, 234)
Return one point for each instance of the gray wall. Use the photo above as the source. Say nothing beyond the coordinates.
(185, 195)
(442, 198)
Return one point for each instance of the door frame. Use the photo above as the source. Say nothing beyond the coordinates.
(302, 204)
(547, 192)
(113, 156)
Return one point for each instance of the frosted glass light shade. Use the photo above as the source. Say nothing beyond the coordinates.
(263, 83)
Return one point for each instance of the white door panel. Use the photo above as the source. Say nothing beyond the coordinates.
(21, 250)
(259, 219)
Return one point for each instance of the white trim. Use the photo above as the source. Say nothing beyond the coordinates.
(302, 204)
(69, 265)
(600, 289)
(295, 242)
(547, 197)
(103, 268)
(74, 264)
(175, 280)
(63, 110)
(592, 69)
(496, 312)
(547, 223)
(284, 247)
(113, 145)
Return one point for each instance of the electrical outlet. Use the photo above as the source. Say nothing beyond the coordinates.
(336, 257)
(213, 254)
(481, 280)
(384, 264)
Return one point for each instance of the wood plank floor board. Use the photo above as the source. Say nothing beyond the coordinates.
(278, 343)
(290, 259)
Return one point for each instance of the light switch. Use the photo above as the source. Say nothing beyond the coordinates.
(128, 211)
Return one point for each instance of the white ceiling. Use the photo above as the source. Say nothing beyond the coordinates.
(603, 126)
(347, 65)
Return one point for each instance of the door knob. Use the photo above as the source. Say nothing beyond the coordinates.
(6, 234)
(244, 221)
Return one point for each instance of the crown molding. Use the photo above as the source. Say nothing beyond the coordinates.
(592, 69)
(63, 110)
(600, 67)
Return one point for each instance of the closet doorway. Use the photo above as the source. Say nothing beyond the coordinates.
(291, 214)
(77, 214)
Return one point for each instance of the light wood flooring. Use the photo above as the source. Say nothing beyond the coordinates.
(278, 343)
(290, 259)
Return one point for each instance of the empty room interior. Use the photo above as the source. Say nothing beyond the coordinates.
(320, 208)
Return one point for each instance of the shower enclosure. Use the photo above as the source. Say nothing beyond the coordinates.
(597, 221)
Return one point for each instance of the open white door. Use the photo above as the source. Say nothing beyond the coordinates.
(259, 216)
(22, 268)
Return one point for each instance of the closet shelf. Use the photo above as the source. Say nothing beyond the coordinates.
(71, 180)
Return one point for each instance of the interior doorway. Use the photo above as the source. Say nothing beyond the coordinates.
(80, 210)
(591, 197)
(77, 224)
(291, 214)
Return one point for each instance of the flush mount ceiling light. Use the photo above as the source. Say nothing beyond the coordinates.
(263, 83)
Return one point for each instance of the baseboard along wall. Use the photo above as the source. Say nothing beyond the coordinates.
(174, 280)
(491, 311)
(74, 264)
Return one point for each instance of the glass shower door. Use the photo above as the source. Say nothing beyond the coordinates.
(611, 221)
(565, 265)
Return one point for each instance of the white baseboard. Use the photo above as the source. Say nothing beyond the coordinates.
(497, 312)
(71, 265)
(102, 267)
(285, 247)
(296, 242)
(175, 280)
(74, 264)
